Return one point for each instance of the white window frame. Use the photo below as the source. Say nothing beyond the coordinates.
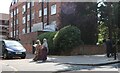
(14, 12)
(28, 30)
(33, 3)
(32, 29)
(45, 11)
(40, 13)
(16, 32)
(53, 9)
(17, 11)
(33, 15)
(40, 0)
(23, 20)
(11, 34)
(23, 9)
(28, 5)
(23, 31)
(16, 21)
(11, 14)
(28, 17)
(11, 24)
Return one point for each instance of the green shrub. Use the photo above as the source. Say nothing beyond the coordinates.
(66, 39)
(49, 36)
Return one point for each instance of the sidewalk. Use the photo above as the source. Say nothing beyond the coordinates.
(87, 60)
(91, 60)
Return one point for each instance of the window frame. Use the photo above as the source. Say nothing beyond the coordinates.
(53, 9)
(45, 11)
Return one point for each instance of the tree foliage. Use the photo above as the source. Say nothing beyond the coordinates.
(67, 39)
(109, 18)
(84, 16)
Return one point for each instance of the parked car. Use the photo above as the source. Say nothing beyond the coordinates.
(11, 48)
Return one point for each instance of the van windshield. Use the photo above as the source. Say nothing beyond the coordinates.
(12, 43)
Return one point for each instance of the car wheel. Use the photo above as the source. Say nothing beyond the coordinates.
(5, 55)
(23, 57)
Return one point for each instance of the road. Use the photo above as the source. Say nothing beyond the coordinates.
(27, 64)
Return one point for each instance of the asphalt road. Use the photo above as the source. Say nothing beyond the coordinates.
(23, 65)
(27, 65)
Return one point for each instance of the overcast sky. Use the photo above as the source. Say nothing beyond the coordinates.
(4, 6)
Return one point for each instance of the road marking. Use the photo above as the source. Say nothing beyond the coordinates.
(14, 69)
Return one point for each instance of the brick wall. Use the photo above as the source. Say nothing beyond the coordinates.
(28, 39)
(86, 50)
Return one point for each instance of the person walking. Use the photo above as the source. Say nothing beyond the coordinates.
(44, 50)
(38, 52)
(109, 47)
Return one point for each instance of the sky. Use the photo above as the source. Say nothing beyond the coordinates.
(4, 6)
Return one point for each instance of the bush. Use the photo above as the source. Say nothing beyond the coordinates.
(66, 39)
(49, 36)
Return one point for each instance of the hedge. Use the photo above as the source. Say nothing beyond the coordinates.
(49, 36)
(63, 40)
(66, 39)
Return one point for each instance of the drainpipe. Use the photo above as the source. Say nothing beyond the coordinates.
(47, 13)
(30, 16)
(42, 5)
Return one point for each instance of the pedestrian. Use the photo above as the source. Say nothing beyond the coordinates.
(45, 44)
(44, 50)
(38, 52)
(109, 47)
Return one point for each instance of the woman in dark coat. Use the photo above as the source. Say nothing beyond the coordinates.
(38, 51)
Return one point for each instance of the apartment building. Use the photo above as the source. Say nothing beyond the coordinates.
(29, 19)
(4, 23)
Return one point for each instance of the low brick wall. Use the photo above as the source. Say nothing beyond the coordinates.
(28, 39)
(88, 50)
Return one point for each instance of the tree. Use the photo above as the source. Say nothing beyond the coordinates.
(108, 12)
(84, 16)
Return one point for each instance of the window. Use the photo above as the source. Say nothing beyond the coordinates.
(23, 31)
(40, 0)
(28, 5)
(14, 12)
(17, 11)
(32, 29)
(32, 15)
(40, 13)
(28, 17)
(23, 20)
(53, 9)
(16, 32)
(32, 3)
(11, 24)
(23, 9)
(16, 21)
(11, 14)
(45, 11)
(10, 34)
(28, 30)
(45, 0)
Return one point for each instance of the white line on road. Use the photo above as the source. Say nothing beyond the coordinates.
(14, 69)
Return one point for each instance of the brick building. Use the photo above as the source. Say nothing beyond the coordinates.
(4, 23)
(29, 19)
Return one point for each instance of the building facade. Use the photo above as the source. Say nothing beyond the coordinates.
(30, 19)
(4, 23)
(27, 18)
